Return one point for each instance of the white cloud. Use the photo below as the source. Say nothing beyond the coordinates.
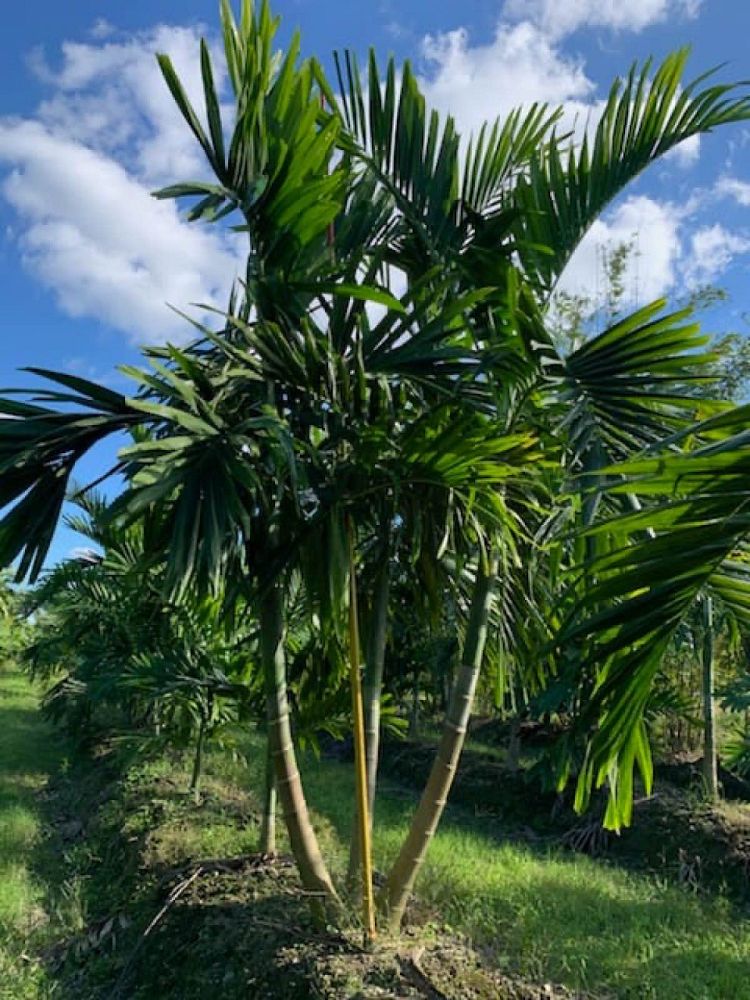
(519, 66)
(112, 97)
(81, 169)
(101, 28)
(558, 18)
(712, 250)
(686, 154)
(80, 173)
(666, 255)
(92, 234)
(524, 62)
(734, 188)
(653, 228)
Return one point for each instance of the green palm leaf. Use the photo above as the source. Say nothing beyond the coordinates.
(565, 190)
(630, 386)
(642, 589)
(39, 450)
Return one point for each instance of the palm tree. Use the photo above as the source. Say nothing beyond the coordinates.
(519, 187)
(648, 582)
(12, 637)
(147, 669)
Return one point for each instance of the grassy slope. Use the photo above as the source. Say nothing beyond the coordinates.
(29, 753)
(551, 916)
(556, 916)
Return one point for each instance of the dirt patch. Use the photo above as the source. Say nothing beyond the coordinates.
(697, 845)
(249, 933)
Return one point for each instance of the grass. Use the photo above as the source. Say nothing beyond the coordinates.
(546, 915)
(29, 753)
(553, 916)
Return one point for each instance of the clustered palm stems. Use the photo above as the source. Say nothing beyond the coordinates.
(385, 373)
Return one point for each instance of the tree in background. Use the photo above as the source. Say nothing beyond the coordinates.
(123, 662)
(15, 629)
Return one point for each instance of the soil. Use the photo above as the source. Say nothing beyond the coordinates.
(268, 949)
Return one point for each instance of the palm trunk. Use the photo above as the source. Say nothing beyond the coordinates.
(414, 713)
(710, 763)
(373, 679)
(304, 844)
(268, 826)
(372, 690)
(195, 778)
(513, 760)
(398, 885)
(362, 813)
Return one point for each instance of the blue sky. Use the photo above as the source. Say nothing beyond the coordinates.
(88, 260)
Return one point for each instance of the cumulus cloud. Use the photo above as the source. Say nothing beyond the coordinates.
(686, 154)
(712, 250)
(666, 253)
(732, 187)
(653, 230)
(521, 64)
(558, 18)
(93, 235)
(79, 175)
(112, 98)
(525, 62)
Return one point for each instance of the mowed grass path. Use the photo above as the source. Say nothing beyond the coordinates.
(29, 753)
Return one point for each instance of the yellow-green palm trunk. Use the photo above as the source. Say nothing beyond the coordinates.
(372, 689)
(303, 842)
(362, 813)
(373, 680)
(398, 886)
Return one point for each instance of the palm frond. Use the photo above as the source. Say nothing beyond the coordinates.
(645, 117)
(643, 587)
(39, 450)
(630, 386)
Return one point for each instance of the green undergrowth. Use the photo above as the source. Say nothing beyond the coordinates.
(91, 858)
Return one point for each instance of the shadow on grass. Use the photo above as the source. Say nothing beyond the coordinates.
(549, 914)
(24, 741)
(116, 840)
(542, 913)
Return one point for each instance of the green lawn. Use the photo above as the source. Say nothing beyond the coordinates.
(550, 916)
(29, 753)
(554, 916)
